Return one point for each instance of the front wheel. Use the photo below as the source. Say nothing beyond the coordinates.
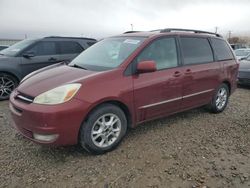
(7, 84)
(220, 99)
(104, 129)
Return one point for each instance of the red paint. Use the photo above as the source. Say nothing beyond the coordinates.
(135, 92)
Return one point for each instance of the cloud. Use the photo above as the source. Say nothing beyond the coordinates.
(100, 18)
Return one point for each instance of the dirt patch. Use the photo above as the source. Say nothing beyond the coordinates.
(190, 149)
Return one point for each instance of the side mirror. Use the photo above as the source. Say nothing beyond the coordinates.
(146, 66)
(29, 54)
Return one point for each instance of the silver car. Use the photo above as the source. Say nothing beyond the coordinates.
(242, 53)
(244, 71)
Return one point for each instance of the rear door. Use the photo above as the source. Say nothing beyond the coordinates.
(68, 50)
(158, 93)
(201, 72)
(45, 53)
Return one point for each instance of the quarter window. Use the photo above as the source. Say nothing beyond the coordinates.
(163, 52)
(196, 50)
(222, 50)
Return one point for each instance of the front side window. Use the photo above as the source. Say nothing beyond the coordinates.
(196, 50)
(108, 53)
(222, 49)
(162, 51)
(17, 48)
(43, 48)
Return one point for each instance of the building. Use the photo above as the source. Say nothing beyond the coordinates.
(8, 42)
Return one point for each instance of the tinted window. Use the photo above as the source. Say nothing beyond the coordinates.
(222, 50)
(43, 48)
(90, 43)
(68, 47)
(163, 52)
(196, 50)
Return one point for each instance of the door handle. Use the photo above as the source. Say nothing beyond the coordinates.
(177, 74)
(188, 71)
(52, 59)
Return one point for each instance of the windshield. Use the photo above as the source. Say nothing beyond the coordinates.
(16, 48)
(242, 52)
(248, 57)
(107, 54)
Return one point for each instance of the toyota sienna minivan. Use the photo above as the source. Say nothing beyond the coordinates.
(122, 81)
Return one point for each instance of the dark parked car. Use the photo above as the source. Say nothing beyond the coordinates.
(244, 72)
(2, 47)
(29, 55)
(122, 81)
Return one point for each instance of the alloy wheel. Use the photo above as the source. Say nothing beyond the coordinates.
(106, 130)
(7, 85)
(221, 98)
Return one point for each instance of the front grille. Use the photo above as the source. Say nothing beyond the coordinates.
(24, 98)
(26, 132)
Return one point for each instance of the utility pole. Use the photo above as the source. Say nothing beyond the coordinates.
(229, 35)
(132, 27)
(216, 29)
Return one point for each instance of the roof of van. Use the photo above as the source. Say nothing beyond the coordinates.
(169, 31)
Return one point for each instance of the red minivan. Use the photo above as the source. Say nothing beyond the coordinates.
(122, 81)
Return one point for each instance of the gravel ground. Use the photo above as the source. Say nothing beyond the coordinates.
(190, 149)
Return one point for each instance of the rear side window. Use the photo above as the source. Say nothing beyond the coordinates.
(69, 47)
(196, 50)
(222, 50)
(44, 48)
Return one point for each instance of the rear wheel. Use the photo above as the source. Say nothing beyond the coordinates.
(104, 129)
(220, 99)
(7, 84)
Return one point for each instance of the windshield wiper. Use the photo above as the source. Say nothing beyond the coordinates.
(78, 66)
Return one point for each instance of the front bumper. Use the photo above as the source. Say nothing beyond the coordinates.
(63, 120)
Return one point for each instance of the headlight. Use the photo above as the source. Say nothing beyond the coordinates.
(57, 95)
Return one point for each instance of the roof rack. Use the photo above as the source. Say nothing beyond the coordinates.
(188, 30)
(131, 32)
(71, 37)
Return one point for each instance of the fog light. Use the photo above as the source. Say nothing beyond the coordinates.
(45, 138)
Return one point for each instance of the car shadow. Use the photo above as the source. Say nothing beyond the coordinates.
(61, 153)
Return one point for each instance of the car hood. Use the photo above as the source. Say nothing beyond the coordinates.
(4, 58)
(55, 76)
(244, 66)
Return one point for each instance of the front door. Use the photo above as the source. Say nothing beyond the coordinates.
(158, 93)
(43, 53)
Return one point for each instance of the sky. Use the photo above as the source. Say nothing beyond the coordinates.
(103, 18)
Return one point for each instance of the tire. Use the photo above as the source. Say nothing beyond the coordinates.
(7, 84)
(220, 99)
(103, 130)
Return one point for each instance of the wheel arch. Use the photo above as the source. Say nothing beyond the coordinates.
(12, 74)
(228, 85)
(117, 103)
